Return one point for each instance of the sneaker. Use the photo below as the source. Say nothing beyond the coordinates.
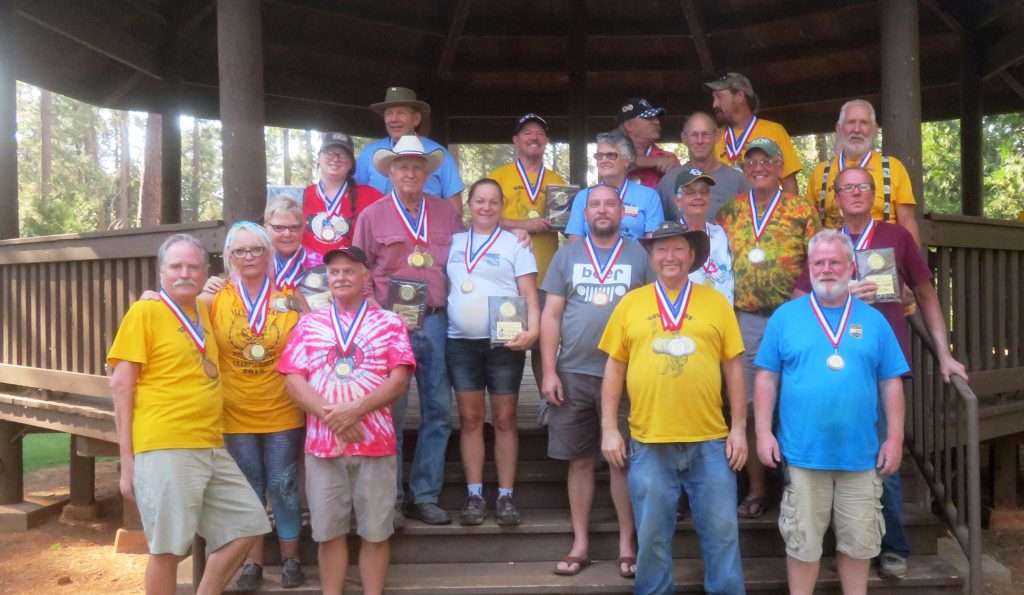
(429, 513)
(473, 512)
(251, 577)
(291, 574)
(505, 512)
(892, 566)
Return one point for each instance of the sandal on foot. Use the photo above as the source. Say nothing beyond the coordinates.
(580, 563)
(627, 567)
(752, 507)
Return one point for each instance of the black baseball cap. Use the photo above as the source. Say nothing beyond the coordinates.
(638, 107)
(337, 139)
(352, 253)
(530, 117)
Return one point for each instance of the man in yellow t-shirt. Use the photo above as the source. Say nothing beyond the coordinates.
(668, 344)
(735, 104)
(856, 130)
(167, 410)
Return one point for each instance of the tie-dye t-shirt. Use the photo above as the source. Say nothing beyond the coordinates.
(381, 344)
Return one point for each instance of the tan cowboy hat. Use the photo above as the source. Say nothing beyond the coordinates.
(401, 96)
(407, 146)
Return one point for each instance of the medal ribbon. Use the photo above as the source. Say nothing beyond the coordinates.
(194, 329)
(345, 336)
(256, 310)
(532, 190)
(287, 270)
(836, 335)
(864, 241)
(474, 258)
(647, 151)
(863, 160)
(602, 271)
(622, 190)
(761, 223)
(672, 313)
(416, 229)
(733, 147)
(332, 206)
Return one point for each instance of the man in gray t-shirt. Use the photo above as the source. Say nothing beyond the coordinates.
(584, 282)
(699, 135)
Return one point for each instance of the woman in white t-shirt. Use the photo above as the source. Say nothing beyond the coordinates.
(488, 262)
(693, 196)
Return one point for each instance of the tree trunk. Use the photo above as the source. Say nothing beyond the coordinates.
(286, 157)
(45, 143)
(124, 182)
(193, 197)
(149, 190)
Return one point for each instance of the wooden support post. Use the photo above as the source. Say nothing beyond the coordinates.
(1005, 462)
(12, 484)
(971, 116)
(170, 167)
(439, 130)
(577, 94)
(82, 472)
(8, 126)
(240, 67)
(901, 88)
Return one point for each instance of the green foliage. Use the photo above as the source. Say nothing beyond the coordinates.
(45, 450)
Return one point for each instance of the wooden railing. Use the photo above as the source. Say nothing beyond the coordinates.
(62, 298)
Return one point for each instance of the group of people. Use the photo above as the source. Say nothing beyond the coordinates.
(694, 312)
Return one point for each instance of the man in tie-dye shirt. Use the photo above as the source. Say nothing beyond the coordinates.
(345, 364)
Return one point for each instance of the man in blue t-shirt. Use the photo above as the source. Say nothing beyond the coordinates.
(835, 357)
(404, 114)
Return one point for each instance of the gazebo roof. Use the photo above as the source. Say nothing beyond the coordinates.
(484, 62)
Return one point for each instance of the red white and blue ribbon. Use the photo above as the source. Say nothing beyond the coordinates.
(346, 337)
(415, 228)
(256, 309)
(863, 160)
(673, 313)
(532, 190)
(734, 147)
(835, 335)
(622, 190)
(601, 272)
(288, 270)
(332, 206)
(648, 150)
(193, 329)
(760, 223)
(864, 241)
(474, 258)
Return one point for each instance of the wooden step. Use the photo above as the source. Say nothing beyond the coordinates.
(546, 534)
(927, 574)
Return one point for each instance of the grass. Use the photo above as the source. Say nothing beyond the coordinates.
(40, 451)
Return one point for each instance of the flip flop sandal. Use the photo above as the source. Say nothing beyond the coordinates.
(581, 563)
(630, 567)
(752, 507)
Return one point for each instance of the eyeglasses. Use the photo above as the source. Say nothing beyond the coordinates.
(255, 252)
(335, 155)
(848, 188)
(700, 134)
(284, 228)
(609, 156)
(759, 162)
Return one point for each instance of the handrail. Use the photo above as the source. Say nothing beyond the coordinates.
(945, 446)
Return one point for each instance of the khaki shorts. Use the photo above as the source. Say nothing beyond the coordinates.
(850, 499)
(184, 491)
(574, 427)
(336, 486)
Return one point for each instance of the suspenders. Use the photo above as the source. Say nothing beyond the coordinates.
(886, 189)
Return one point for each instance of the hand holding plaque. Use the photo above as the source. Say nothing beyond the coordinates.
(558, 205)
(878, 266)
(506, 318)
(409, 300)
(314, 287)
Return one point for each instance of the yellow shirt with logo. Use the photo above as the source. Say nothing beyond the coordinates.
(673, 398)
(791, 163)
(901, 192)
(255, 400)
(518, 207)
(176, 404)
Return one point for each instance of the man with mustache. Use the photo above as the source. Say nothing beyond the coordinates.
(639, 120)
(168, 410)
(855, 138)
(837, 360)
(854, 191)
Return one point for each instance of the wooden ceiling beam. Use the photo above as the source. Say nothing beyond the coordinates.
(1001, 54)
(75, 21)
(1001, 8)
(357, 15)
(451, 42)
(700, 41)
(1011, 81)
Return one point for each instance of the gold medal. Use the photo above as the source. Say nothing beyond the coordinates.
(508, 309)
(417, 260)
(343, 368)
(327, 232)
(282, 303)
(255, 352)
(313, 281)
(600, 299)
(210, 368)
(660, 345)
(876, 261)
(467, 286)
(533, 214)
(756, 255)
(835, 362)
(406, 292)
(428, 260)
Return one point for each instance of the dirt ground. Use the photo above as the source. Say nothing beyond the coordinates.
(60, 557)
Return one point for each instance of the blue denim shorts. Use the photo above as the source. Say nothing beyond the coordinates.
(474, 365)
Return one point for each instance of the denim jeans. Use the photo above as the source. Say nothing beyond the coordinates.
(657, 474)
(270, 463)
(435, 392)
(895, 538)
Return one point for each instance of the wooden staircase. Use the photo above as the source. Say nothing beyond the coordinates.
(488, 559)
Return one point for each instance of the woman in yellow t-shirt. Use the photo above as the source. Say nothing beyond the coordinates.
(252, 317)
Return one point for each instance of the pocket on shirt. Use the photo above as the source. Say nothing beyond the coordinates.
(389, 250)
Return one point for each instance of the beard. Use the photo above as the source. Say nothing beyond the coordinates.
(831, 290)
(854, 146)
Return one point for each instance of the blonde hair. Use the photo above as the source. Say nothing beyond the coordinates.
(282, 203)
(253, 228)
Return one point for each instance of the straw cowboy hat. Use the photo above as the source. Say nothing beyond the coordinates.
(395, 96)
(407, 146)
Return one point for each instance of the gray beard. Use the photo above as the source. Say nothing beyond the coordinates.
(832, 290)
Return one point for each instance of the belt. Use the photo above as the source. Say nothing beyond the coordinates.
(434, 310)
